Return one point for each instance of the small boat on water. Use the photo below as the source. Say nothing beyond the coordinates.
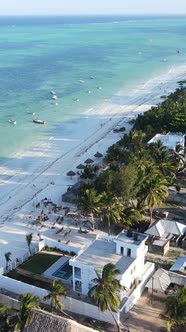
(54, 97)
(12, 121)
(81, 81)
(39, 121)
(52, 92)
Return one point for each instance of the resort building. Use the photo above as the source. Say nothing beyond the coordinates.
(126, 251)
(169, 140)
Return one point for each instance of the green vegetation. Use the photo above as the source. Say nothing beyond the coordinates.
(173, 254)
(56, 291)
(7, 258)
(39, 263)
(7, 318)
(54, 249)
(138, 174)
(176, 311)
(169, 116)
(27, 303)
(181, 82)
(29, 241)
(89, 202)
(106, 289)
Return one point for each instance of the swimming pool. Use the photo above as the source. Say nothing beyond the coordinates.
(64, 272)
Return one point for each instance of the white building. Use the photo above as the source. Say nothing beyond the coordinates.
(170, 140)
(126, 251)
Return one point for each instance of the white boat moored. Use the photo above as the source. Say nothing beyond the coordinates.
(39, 121)
(12, 121)
(54, 97)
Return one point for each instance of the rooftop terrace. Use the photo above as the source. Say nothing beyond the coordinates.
(131, 237)
(102, 252)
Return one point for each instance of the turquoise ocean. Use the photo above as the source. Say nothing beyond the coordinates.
(40, 54)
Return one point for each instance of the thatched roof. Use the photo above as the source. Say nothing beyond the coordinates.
(44, 321)
(71, 196)
(89, 161)
(71, 173)
(80, 166)
(98, 155)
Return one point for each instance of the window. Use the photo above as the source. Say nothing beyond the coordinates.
(77, 272)
(121, 250)
(128, 252)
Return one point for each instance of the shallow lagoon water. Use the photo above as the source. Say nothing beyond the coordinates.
(58, 53)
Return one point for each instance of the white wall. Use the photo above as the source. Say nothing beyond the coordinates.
(58, 245)
(134, 297)
(87, 274)
(135, 249)
(70, 304)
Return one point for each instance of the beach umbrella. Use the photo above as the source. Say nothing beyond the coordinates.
(89, 161)
(98, 155)
(80, 166)
(71, 174)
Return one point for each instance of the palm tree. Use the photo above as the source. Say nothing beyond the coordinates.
(29, 238)
(158, 190)
(57, 290)
(89, 202)
(159, 152)
(176, 309)
(111, 209)
(27, 302)
(131, 216)
(179, 156)
(106, 289)
(6, 318)
(7, 258)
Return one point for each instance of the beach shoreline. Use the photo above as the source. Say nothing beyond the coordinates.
(41, 172)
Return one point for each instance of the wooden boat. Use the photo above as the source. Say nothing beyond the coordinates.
(39, 121)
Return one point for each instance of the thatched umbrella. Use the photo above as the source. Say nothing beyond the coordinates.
(89, 161)
(80, 166)
(98, 155)
(71, 174)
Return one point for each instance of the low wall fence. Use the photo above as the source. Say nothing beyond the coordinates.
(71, 304)
(58, 245)
(13, 264)
(9, 301)
(34, 250)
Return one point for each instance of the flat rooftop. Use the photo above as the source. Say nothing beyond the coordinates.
(134, 238)
(102, 252)
(169, 140)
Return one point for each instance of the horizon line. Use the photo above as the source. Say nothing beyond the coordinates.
(94, 14)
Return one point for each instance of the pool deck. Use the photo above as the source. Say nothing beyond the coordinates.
(56, 266)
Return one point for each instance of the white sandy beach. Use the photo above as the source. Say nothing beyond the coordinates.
(41, 172)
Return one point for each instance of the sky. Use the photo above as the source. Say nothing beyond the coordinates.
(88, 7)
